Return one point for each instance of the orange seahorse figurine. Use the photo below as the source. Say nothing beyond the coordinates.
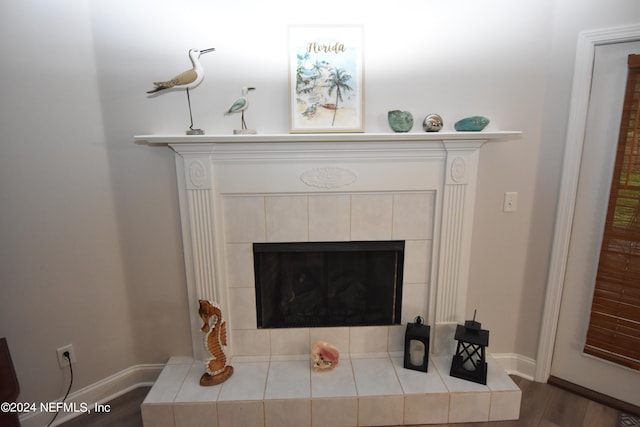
(215, 341)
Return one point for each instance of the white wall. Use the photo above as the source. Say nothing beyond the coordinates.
(61, 272)
(75, 267)
(90, 248)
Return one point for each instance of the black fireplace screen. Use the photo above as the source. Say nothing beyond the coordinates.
(315, 284)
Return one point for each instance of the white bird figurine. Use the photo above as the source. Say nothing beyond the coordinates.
(187, 79)
(240, 105)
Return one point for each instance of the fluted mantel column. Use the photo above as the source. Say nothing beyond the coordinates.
(455, 245)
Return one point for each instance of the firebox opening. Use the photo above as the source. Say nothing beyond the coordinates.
(321, 284)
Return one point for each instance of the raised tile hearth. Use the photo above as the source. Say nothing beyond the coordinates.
(363, 390)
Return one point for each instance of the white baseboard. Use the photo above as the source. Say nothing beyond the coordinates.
(100, 392)
(516, 364)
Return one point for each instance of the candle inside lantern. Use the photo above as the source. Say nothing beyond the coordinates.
(416, 352)
(471, 363)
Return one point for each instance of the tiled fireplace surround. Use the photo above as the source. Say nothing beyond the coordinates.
(238, 190)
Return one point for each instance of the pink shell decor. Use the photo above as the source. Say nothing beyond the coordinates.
(325, 356)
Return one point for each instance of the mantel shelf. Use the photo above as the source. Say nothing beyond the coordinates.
(328, 137)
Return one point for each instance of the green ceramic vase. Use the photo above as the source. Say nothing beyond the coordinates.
(400, 121)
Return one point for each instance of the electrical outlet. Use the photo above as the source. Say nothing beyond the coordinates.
(510, 201)
(62, 360)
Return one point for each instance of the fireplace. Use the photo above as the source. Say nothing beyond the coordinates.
(239, 190)
(328, 284)
(276, 190)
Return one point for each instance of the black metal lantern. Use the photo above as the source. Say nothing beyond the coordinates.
(470, 362)
(416, 346)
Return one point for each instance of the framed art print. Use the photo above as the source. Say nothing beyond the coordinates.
(326, 79)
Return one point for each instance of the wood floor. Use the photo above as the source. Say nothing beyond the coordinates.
(543, 405)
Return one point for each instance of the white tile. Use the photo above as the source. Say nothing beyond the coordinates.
(505, 405)
(242, 308)
(417, 260)
(341, 412)
(290, 357)
(247, 382)
(426, 408)
(250, 359)
(416, 382)
(289, 380)
(380, 411)
(336, 382)
(329, 218)
(287, 218)
(413, 216)
(195, 414)
(287, 413)
(415, 301)
(180, 360)
(396, 338)
(371, 216)
(377, 355)
(375, 377)
(290, 341)
(240, 272)
(168, 383)
(497, 378)
(250, 342)
(191, 390)
(240, 414)
(157, 415)
(244, 219)
(469, 407)
(369, 339)
(506, 396)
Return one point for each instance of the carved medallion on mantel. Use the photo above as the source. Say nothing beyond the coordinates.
(328, 177)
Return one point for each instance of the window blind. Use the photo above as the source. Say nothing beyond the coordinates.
(614, 324)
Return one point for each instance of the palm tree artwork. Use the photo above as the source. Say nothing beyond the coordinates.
(338, 79)
(326, 93)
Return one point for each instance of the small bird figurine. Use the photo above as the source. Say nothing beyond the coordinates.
(187, 79)
(239, 106)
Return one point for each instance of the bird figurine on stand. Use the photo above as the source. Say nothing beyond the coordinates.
(186, 80)
(239, 106)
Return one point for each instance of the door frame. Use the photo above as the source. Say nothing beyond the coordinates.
(580, 93)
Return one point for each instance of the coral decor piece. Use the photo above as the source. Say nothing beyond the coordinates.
(325, 356)
(215, 341)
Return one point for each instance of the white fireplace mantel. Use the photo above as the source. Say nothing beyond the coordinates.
(212, 169)
(329, 137)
